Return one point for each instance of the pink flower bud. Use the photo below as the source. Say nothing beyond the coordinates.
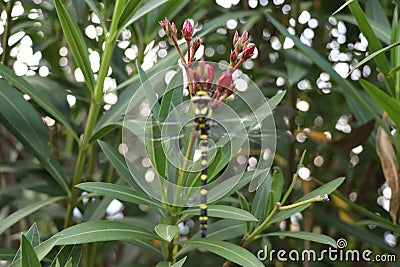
(174, 31)
(210, 75)
(187, 30)
(196, 44)
(224, 81)
(248, 52)
(166, 25)
(235, 38)
(244, 37)
(233, 57)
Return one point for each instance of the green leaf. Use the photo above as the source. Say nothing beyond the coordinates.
(377, 17)
(271, 203)
(100, 231)
(389, 104)
(342, 7)
(22, 213)
(172, 96)
(41, 250)
(220, 230)
(154, 147)
(66, 253)
(324, 189)
(22, 120)
(166, 232)
(278, 181)
(29, 257)
(315, 237)
(223, 230)
(244, 205)
(149, 91)
(258, 207)
(37, 96)
(32, 235)
(132, 14)
(76, 43)
(69, 263)
(373, 42)
(129, 10)
(226, 212)
(394, 70)
(119, 192)
(118, 162)
(372, 56)
(229, 251)
(180, 262)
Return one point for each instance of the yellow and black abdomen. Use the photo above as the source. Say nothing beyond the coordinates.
(202, 111)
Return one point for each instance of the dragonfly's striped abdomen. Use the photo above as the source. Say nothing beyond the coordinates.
(202, 111)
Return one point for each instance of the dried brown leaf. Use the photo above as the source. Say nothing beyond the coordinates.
(390, 166)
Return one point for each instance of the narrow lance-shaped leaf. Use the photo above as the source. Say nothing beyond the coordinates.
(390, 167)
(118, 161)
(41, 250)
(119, 192)
(33, 236)
(389, 104)
(22, 120)
(226, 212)
(315, 237)
(134, 13)
(29, 257)
(37, 96)
(373, 42)
(372, 56)
(324, 189)
(76, 43)
(229, 251)
(100, 231)
(22, 213)
(129, 10)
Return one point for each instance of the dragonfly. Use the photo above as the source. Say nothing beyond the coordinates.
(222, 138)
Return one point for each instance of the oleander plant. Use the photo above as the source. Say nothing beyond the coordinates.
(199, 133)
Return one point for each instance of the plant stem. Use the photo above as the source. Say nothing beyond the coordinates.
(301, 203)
(6, 34)
(182, 174)
(260, 228)
(95, 106)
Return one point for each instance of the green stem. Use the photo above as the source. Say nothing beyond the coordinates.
(301, 203)
(6, 34)
(182, 174)
(95, 106)
(260, 228)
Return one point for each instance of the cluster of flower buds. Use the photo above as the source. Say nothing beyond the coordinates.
(201, 78)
